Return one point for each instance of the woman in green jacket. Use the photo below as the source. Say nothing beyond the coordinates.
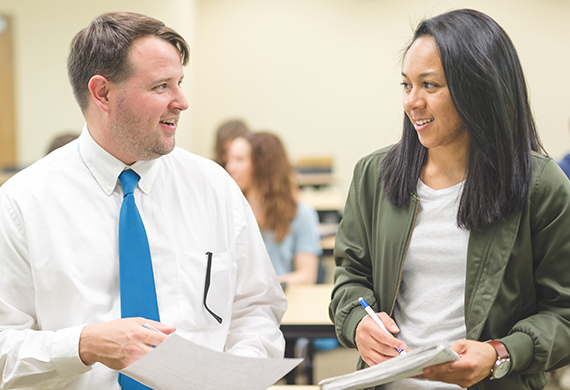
(459, 233)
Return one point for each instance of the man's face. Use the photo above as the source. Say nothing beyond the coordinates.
(145, 109)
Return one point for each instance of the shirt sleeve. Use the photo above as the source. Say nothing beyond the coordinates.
(259, 302)
(29, 356)
(306, 225)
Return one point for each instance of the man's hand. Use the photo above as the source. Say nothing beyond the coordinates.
(474, 364)
(375, 345)
(119, 343)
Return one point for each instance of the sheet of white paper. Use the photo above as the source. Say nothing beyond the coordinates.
(178, 364)
(400, 367)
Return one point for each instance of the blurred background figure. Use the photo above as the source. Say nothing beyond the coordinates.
(61, 140)
(564, 373)
(565, 165)
(57, 142)
(225, 134)
(258, 163)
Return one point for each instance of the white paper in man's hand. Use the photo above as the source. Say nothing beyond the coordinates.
(178, 364)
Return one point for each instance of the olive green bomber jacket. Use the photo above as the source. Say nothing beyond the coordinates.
(518, 270)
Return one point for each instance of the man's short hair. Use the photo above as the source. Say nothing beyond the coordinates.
(102, 48)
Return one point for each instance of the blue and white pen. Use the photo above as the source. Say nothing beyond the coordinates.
(373, 315)
(148, 326)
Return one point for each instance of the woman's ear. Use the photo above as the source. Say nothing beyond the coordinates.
(99, 88)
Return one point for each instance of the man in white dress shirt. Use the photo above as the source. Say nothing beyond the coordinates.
(60, 316)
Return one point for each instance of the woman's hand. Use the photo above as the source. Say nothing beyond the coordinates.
(474, 364)
(375, 345)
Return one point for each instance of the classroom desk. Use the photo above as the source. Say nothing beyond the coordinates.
(327, 244)
(322, 199)
(316, 180)
(327, 232)
(306, 316)
(328, 204)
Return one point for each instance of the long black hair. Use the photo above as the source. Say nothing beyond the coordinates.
(487, 86)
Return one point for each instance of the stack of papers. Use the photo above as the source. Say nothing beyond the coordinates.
(400, 367)
(180, 364)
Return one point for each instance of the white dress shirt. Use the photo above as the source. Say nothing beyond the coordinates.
(59, 262)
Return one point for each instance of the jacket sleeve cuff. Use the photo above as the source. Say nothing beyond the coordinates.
(521, 350)
(65, 353)
(347, 328)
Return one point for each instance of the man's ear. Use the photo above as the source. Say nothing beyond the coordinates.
(99, 88)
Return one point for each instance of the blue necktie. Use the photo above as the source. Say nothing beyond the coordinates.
(138, 293)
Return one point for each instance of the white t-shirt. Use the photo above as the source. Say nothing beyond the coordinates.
(430, 304)
(60, 264)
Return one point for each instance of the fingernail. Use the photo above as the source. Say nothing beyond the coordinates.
(394, 328)
(402, 347)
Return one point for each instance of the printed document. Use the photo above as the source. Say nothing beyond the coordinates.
(178, 364)
(400, 367)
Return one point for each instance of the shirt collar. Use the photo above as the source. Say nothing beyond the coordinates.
(106, 169)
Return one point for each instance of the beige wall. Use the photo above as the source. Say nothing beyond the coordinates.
(324, 74)
(45, 106)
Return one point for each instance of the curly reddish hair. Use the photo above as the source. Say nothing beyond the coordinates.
(273, 177)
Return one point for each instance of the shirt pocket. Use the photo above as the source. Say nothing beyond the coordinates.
(191, 277)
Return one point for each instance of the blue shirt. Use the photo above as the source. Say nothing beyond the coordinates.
(303, 237)
(565, 165)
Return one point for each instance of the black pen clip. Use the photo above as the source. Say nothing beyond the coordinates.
(207, 287)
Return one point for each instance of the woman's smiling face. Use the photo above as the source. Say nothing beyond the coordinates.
(427, 101)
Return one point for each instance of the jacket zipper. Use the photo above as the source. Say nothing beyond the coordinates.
(405, 254)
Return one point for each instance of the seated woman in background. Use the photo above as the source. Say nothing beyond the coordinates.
(61, 140)
(226, 133)
(258, 163)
